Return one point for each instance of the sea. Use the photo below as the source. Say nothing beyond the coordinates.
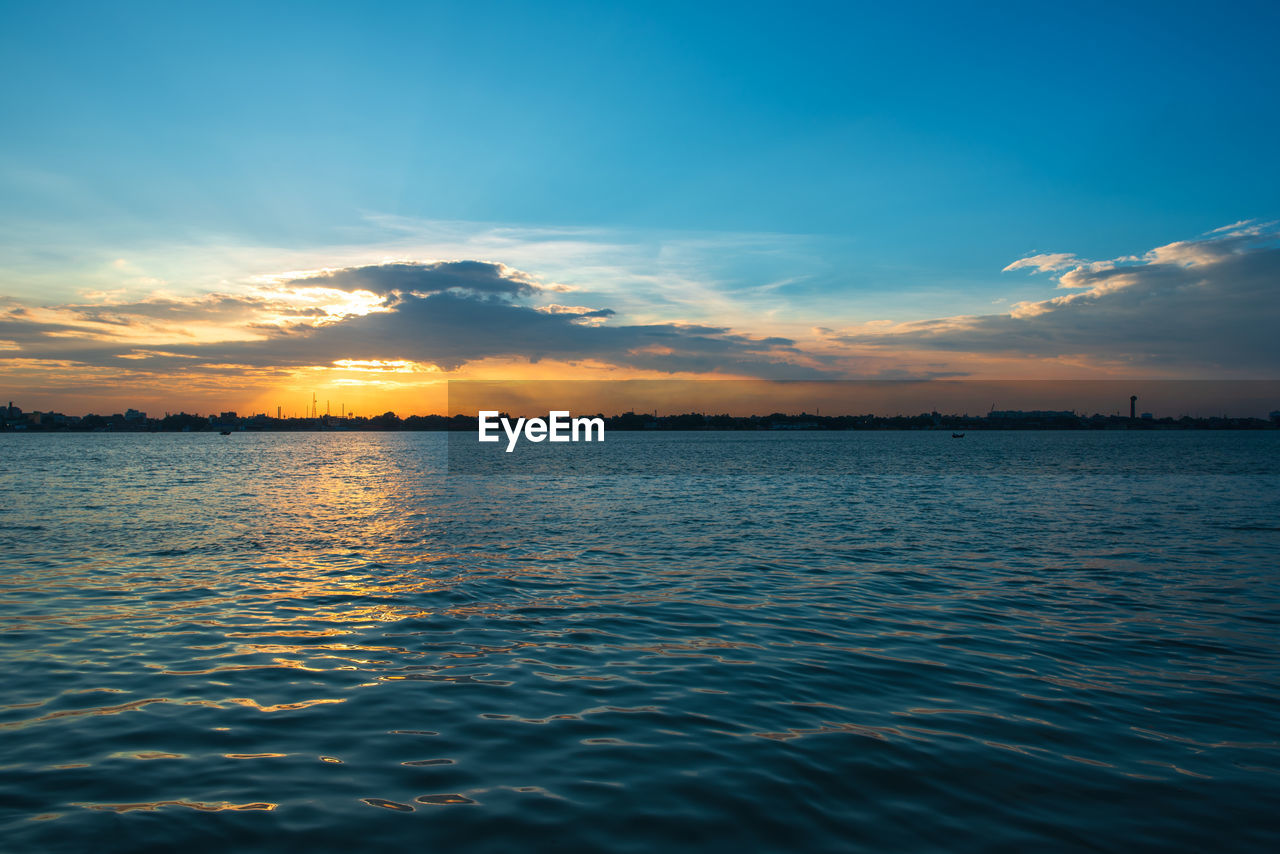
(756, 641)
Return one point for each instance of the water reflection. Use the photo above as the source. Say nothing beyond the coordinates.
(323, 629)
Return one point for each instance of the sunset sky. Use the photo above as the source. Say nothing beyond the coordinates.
(220, 206)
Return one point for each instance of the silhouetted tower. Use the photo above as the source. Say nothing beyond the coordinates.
(1133, 406)
(313, 406)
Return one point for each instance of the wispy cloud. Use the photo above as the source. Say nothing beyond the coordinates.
(1044, 263)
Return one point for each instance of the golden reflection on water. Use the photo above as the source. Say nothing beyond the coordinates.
(147, 755)
(253, 755)
(203, 806)
(387, 805)
(77, 713)
(139, 704)
(444, 800)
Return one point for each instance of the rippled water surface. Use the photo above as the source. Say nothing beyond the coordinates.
(1017, 641)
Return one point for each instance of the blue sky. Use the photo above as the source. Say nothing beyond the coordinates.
(803, 163)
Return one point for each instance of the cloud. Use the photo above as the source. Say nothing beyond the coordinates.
(646, 275)
(1044, 263)
(166, 319)
(449, 330)
(476, 278)
(443, 314)
(1205, 306)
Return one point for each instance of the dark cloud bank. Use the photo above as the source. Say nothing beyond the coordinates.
(447, 314)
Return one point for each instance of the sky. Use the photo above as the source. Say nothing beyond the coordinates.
(237, 205)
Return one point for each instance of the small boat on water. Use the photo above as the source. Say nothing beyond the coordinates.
(957, 435)
(225, 433)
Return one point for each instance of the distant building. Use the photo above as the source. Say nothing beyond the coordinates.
(1032, 415)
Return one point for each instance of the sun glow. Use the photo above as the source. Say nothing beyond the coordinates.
(318, 306)
(395, 366)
